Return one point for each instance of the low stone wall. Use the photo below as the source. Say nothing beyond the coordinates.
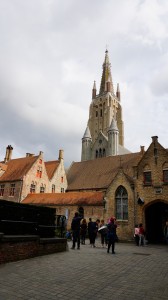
(13, 248)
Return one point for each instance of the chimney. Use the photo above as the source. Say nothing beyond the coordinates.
(8, 153)
(61, 155)
(29, 154)
(155, 139)
(142, 149)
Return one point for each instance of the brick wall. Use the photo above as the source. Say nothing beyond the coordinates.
(18, 248)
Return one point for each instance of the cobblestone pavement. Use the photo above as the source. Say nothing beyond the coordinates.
(89, 273)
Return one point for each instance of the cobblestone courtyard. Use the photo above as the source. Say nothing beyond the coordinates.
(89, 273)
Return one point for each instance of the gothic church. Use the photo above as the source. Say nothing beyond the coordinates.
(104, 134)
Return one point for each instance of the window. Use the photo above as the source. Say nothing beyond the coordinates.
(81, 211)
(32, 188)
(53, 188)
(42, 189)
(62, 190)
(97, 153)
(100, 152)
(12, 189)
(147, 178)
(2, 188)
(165, 176)
(121, 200)
(39, 172)
(96, 113)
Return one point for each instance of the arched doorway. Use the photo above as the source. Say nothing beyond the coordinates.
(156, 215)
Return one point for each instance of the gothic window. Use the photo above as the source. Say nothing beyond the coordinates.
(104, 152)
(100, 152)
(121, 201)
(97, 154)
(96, 113)
(2, 188)
(101, 113)
(12, 189)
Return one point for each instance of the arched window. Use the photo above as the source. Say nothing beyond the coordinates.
(97, 154)
(81, 211)
(121, 200)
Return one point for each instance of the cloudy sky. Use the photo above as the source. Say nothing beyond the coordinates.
(51, 51)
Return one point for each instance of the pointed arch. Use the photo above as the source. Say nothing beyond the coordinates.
(121, 203)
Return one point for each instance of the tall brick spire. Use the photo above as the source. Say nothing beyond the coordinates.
(106, 76)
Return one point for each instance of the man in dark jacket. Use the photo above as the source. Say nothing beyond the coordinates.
(75, 227)
(111, 235)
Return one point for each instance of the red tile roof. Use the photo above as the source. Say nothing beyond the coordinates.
(100, 172)
(51, 167)
(71, 198)
(17, 168)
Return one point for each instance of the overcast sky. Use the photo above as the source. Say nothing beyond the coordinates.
(51, 51)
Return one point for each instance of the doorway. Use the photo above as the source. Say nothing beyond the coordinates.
(156, 216)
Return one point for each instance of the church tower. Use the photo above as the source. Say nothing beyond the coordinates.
(105, 128)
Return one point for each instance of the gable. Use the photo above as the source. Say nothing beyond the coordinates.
(17, 168)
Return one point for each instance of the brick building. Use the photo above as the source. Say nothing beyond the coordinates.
(133, 187)
(30, 174)
(109, 180)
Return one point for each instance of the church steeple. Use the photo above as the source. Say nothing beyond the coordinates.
(106, 80)
(94, 90)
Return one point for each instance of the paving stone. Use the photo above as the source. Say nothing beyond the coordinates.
(133, 273)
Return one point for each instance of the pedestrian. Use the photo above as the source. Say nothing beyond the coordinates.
(93, 232)
(89, 229)
(103, 233)
(111, 235)
(136, 235)
(141, 235)
(83, 231)
(75, 227)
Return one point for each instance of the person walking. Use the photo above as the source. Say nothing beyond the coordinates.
(89, 229)
(103, 233)
(111, 235)
(83, 231)
(75, 227)
(141, 235)
(93, 232)
(136, 234)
